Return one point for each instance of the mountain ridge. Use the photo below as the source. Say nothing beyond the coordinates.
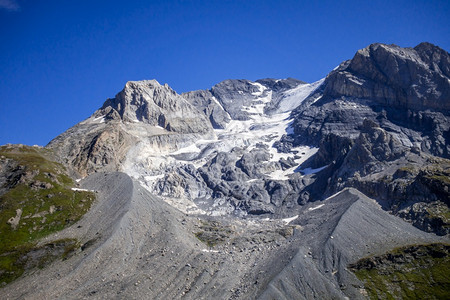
(265, 143)
(266, 188)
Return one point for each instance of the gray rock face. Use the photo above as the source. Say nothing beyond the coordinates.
(238, 179)
(149, 102)
(385, 110)
(392, 76)
(410, 184)
(343, 117)
(228, 99)
(143, 110)
(209, 105)
(10, 174)
(280, 85)
(234, 94)
(88, 148)
(396, 87)
(373, 148)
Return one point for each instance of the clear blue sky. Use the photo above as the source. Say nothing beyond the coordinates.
(60, 60)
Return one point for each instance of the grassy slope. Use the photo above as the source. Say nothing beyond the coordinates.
(41, 189)
(414, 272)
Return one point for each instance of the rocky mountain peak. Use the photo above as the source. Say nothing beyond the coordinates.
(438, 59)
(411, 78)
(143, 112)
(149, 102)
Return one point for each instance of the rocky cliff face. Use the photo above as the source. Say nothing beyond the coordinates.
(381, 113)
(406, 90)
(211, 107)
(228, 99)
(392, 76)
(143, 111)
(150, 103)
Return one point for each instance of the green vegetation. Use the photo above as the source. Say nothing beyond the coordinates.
(212, 233)
(439, 177)
(36, 200)
(439, 210)
(29, 256)
(414, 272)
(438, 170)
(407, 169)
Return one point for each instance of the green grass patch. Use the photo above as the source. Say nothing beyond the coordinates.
(439, 177)
(212, 233)
(440, 211)
(29, 257)
(39, 202)
(414, 272)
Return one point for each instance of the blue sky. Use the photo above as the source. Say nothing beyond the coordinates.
(60, 60)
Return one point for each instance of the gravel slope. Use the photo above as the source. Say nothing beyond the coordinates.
(136, 246)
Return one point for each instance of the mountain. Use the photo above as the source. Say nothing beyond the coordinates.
(255, 189)
(143, 112)
(382, 123)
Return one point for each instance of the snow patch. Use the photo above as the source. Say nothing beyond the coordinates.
(98, 120)
(309, 171)
(189, 149)
(302, 152)
(315, 207)
(252, 180)
(289, 220)
(355, 80)
(81, 190)
(334, 195)
(149, 178)
(210, 251)
(260, 87)
(294, 97)
(318, 98)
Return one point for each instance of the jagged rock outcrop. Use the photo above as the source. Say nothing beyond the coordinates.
(238, 179)
(232, 98)
(410, 184)
(408, 78)
(142, 111)
(234, 94)
(212, 109)
(383, 111)
(406, 90)
(151, 103)
(280, 85)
